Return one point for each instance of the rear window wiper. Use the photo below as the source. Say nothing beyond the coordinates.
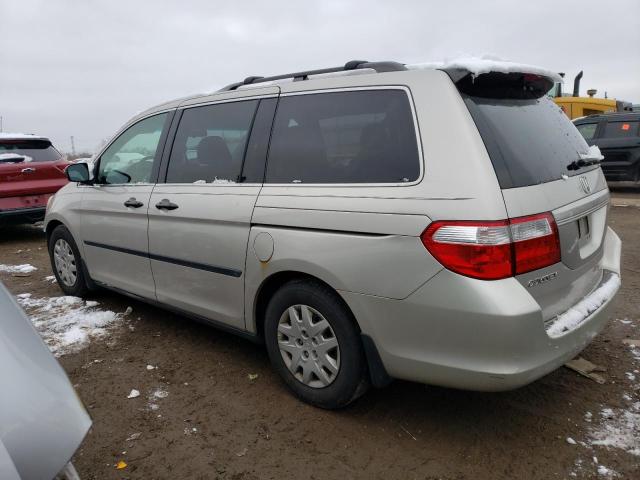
(592, 157)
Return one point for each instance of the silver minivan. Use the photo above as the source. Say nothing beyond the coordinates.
(366, 222)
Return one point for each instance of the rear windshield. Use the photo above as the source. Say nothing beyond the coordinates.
(620, 130)
(529, 141)
(33, 150)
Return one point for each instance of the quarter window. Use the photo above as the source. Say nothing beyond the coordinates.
(588, 130)
(210, 143)
(130, 158)
(344, 137)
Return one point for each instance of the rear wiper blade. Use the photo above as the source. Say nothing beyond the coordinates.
(592, 157)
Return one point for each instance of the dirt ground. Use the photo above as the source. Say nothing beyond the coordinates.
(216, 422)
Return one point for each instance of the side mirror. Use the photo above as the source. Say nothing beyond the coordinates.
(78, 172)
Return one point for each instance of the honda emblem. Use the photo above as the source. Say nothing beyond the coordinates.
(584, 184)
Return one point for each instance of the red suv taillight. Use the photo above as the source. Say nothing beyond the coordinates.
(495, 249)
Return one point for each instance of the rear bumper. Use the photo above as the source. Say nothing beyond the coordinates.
(459, 332)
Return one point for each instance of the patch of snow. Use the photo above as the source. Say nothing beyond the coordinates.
(24, 268)
(580, 311)
(216, 181)
(630, 376)
(625, 321)
(151, 367)
(486, 64)
(588, 416)
(621, 429)
(50, 278)
(606, 472)
(593, 153)
(67, 323)
(607, 413)
(571, 441)
(15, 158)
(134, 393)
(154, 396)
(159, 393)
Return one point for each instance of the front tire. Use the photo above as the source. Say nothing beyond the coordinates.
(314, 344)
(66, 262)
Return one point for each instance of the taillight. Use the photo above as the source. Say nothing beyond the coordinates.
(496, 249)
(536, 242)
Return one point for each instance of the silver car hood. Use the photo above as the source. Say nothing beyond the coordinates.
(42, 420)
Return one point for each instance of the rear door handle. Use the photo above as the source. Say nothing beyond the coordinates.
(133, 203)
(165, 204)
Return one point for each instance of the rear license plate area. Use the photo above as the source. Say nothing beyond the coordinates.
(584, 229)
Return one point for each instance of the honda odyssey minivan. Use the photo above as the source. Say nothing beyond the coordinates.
(444, 225)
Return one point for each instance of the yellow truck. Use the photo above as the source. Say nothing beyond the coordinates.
(576, 106)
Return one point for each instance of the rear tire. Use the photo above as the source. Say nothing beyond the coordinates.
(66, 262)
(314, 344)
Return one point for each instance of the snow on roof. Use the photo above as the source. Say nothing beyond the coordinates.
(485, 64)
(20, 136)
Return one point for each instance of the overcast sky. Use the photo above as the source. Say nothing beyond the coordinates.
(82, 68)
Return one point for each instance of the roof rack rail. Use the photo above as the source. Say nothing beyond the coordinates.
(379, 67)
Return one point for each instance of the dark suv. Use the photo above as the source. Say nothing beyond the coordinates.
(618, 137)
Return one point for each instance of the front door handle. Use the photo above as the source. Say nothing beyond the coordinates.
(165, 204)
(133, 203)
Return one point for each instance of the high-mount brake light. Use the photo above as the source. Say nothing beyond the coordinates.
(494, 249)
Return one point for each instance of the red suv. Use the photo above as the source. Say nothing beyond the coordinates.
(31, 170)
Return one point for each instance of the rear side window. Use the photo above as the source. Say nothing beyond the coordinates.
(620, 129)
(530, 141)
(587, 130)
(344, 137)
(210, 143)
(31, 150)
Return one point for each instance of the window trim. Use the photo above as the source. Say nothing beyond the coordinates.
(157, 162)
(416, 127)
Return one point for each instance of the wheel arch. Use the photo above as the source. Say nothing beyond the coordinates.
(276, 280)
(50, 227)
(377, 373)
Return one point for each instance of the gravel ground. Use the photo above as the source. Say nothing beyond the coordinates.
(202, 412)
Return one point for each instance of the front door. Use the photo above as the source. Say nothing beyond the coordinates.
(199, 219)
(114, 209)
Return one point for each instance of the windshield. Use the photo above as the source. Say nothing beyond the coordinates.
(34, 150)
(529, 141)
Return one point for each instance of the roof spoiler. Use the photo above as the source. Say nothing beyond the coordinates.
(516, 85)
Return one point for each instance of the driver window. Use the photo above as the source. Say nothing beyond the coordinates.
(129, 159)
